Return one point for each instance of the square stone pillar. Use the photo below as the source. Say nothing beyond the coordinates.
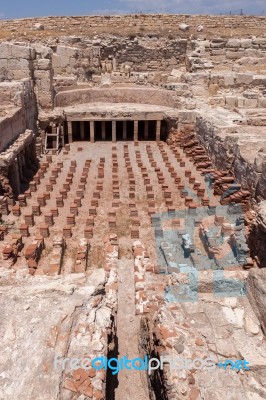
(124, 130)
(146, 130)
(62, 135)
(70, 132)
(113, 131)
(114, 64)
(82, 130)
(136, 131)
(92, 131)
(158, 131)
(19, 167)
(103, 130)
(15, 177)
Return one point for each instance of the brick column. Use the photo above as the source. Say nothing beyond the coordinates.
(136, 130)
(146, 130)
(103, 130)
(82, 131)
(124, 130)
(70, 132)
(158, 131)
(113, 131)
(92, 131)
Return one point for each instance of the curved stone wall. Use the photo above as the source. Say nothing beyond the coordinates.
(116, 95)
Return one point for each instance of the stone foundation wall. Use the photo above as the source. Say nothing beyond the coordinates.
(19, 110)
(11, 127)
(28, 62)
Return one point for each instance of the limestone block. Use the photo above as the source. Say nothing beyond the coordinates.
(21, 52)
(231, 101)
(38, 27)
(44, 100)
(250, 95)
(45, 85)
(72, 62)
(229, 80)
(218, 52)
(44, 51)
(176, 73)
(3, 63)
(39, 74)
(246, 43)
(240, 102)
(67, 52)
(44, 64)
(218, 59)
(251, 53)
(262, 102)
(244, 79)
(60, 61)
(259, 80)
(217, 100)
(5, 50)
(21, 74)
(205, 43)
(217, 45)
(22, 64)
(60, 81)
(251, 103)
(5, 95)
(184, 27)
(233, 43)
(214, 79)
(259, 41)
(213, 89)
(233, 55)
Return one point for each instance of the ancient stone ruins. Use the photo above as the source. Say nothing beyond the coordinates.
(133, 211)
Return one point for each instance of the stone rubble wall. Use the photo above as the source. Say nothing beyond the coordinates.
(229, 89)
(226, 154)
(82, 59)
(151, 21)
(223, 49)
(206, 53)
(16, 61)
(18, 100)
